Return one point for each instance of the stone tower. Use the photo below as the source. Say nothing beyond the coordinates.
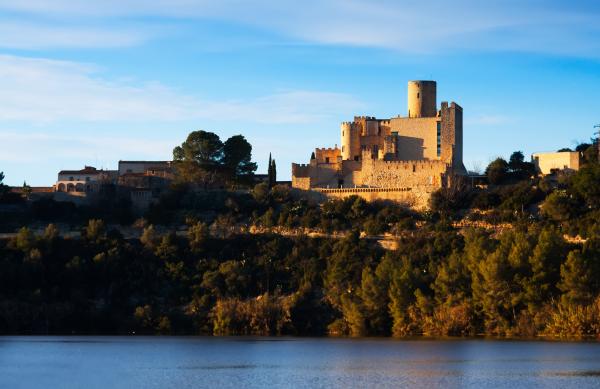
(422, 99)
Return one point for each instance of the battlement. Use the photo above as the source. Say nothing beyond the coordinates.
(418, 162)
(300, 170)
(361, 190)
(327, 149)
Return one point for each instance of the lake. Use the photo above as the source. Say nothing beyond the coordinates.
(238, 362)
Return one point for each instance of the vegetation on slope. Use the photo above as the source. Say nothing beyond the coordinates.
(195, 269)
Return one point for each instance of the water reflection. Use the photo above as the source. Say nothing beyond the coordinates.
(131, 362)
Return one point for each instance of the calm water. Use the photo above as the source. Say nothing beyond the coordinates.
(138, 362)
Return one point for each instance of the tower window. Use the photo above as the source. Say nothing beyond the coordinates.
(326, 159)
(418, 95)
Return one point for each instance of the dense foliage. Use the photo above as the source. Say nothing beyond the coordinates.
(520, 257)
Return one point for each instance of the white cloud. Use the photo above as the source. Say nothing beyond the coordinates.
(42, 90)
(424, 26)
(39, 147)
(27, 35)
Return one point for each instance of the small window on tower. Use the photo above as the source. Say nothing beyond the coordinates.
(326, 159)
(418, 95)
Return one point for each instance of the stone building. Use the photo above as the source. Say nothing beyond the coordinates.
(548, 163)
(141, 181)
(85, 181)
(144, 181)
(402, 159)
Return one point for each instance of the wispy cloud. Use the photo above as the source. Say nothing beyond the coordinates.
(27, 35)
(42, 90)
(551, 26)
(40, 147)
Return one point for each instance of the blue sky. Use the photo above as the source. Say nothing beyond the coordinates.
(90, 82)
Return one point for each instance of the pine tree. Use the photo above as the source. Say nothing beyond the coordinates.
(576, 279)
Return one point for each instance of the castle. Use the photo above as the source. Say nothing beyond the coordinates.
(402, 159)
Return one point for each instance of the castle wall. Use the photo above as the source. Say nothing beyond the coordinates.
(410, 197)
(328, 155)
(301, 182)
(414, 174)
(417, 137)
(322, 175)
(351, 174)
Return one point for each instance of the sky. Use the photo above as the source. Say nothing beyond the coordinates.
(92, 82)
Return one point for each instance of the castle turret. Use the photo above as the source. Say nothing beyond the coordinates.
(350, 141)
(422, 99)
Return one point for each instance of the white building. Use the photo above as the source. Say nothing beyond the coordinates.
(87, 180)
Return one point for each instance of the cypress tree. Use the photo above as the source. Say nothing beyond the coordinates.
(270, 171)
(273, 173)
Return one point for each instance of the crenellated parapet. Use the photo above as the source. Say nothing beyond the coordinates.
(301, 170)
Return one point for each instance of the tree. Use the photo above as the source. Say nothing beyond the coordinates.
(95, 230)
(51, 233)
(261, 193)
(272, 172)
(149, 237)
(373, 293)
(197, 236)
(269, 171)
(576, 279)
(4, 189)
(198, 159)
(516, 160)
(237, 155)
(497, 171)
(559, 206)
(518, 166)
(26, 190)
(545, 264)
(586, 183)
(202, 147)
